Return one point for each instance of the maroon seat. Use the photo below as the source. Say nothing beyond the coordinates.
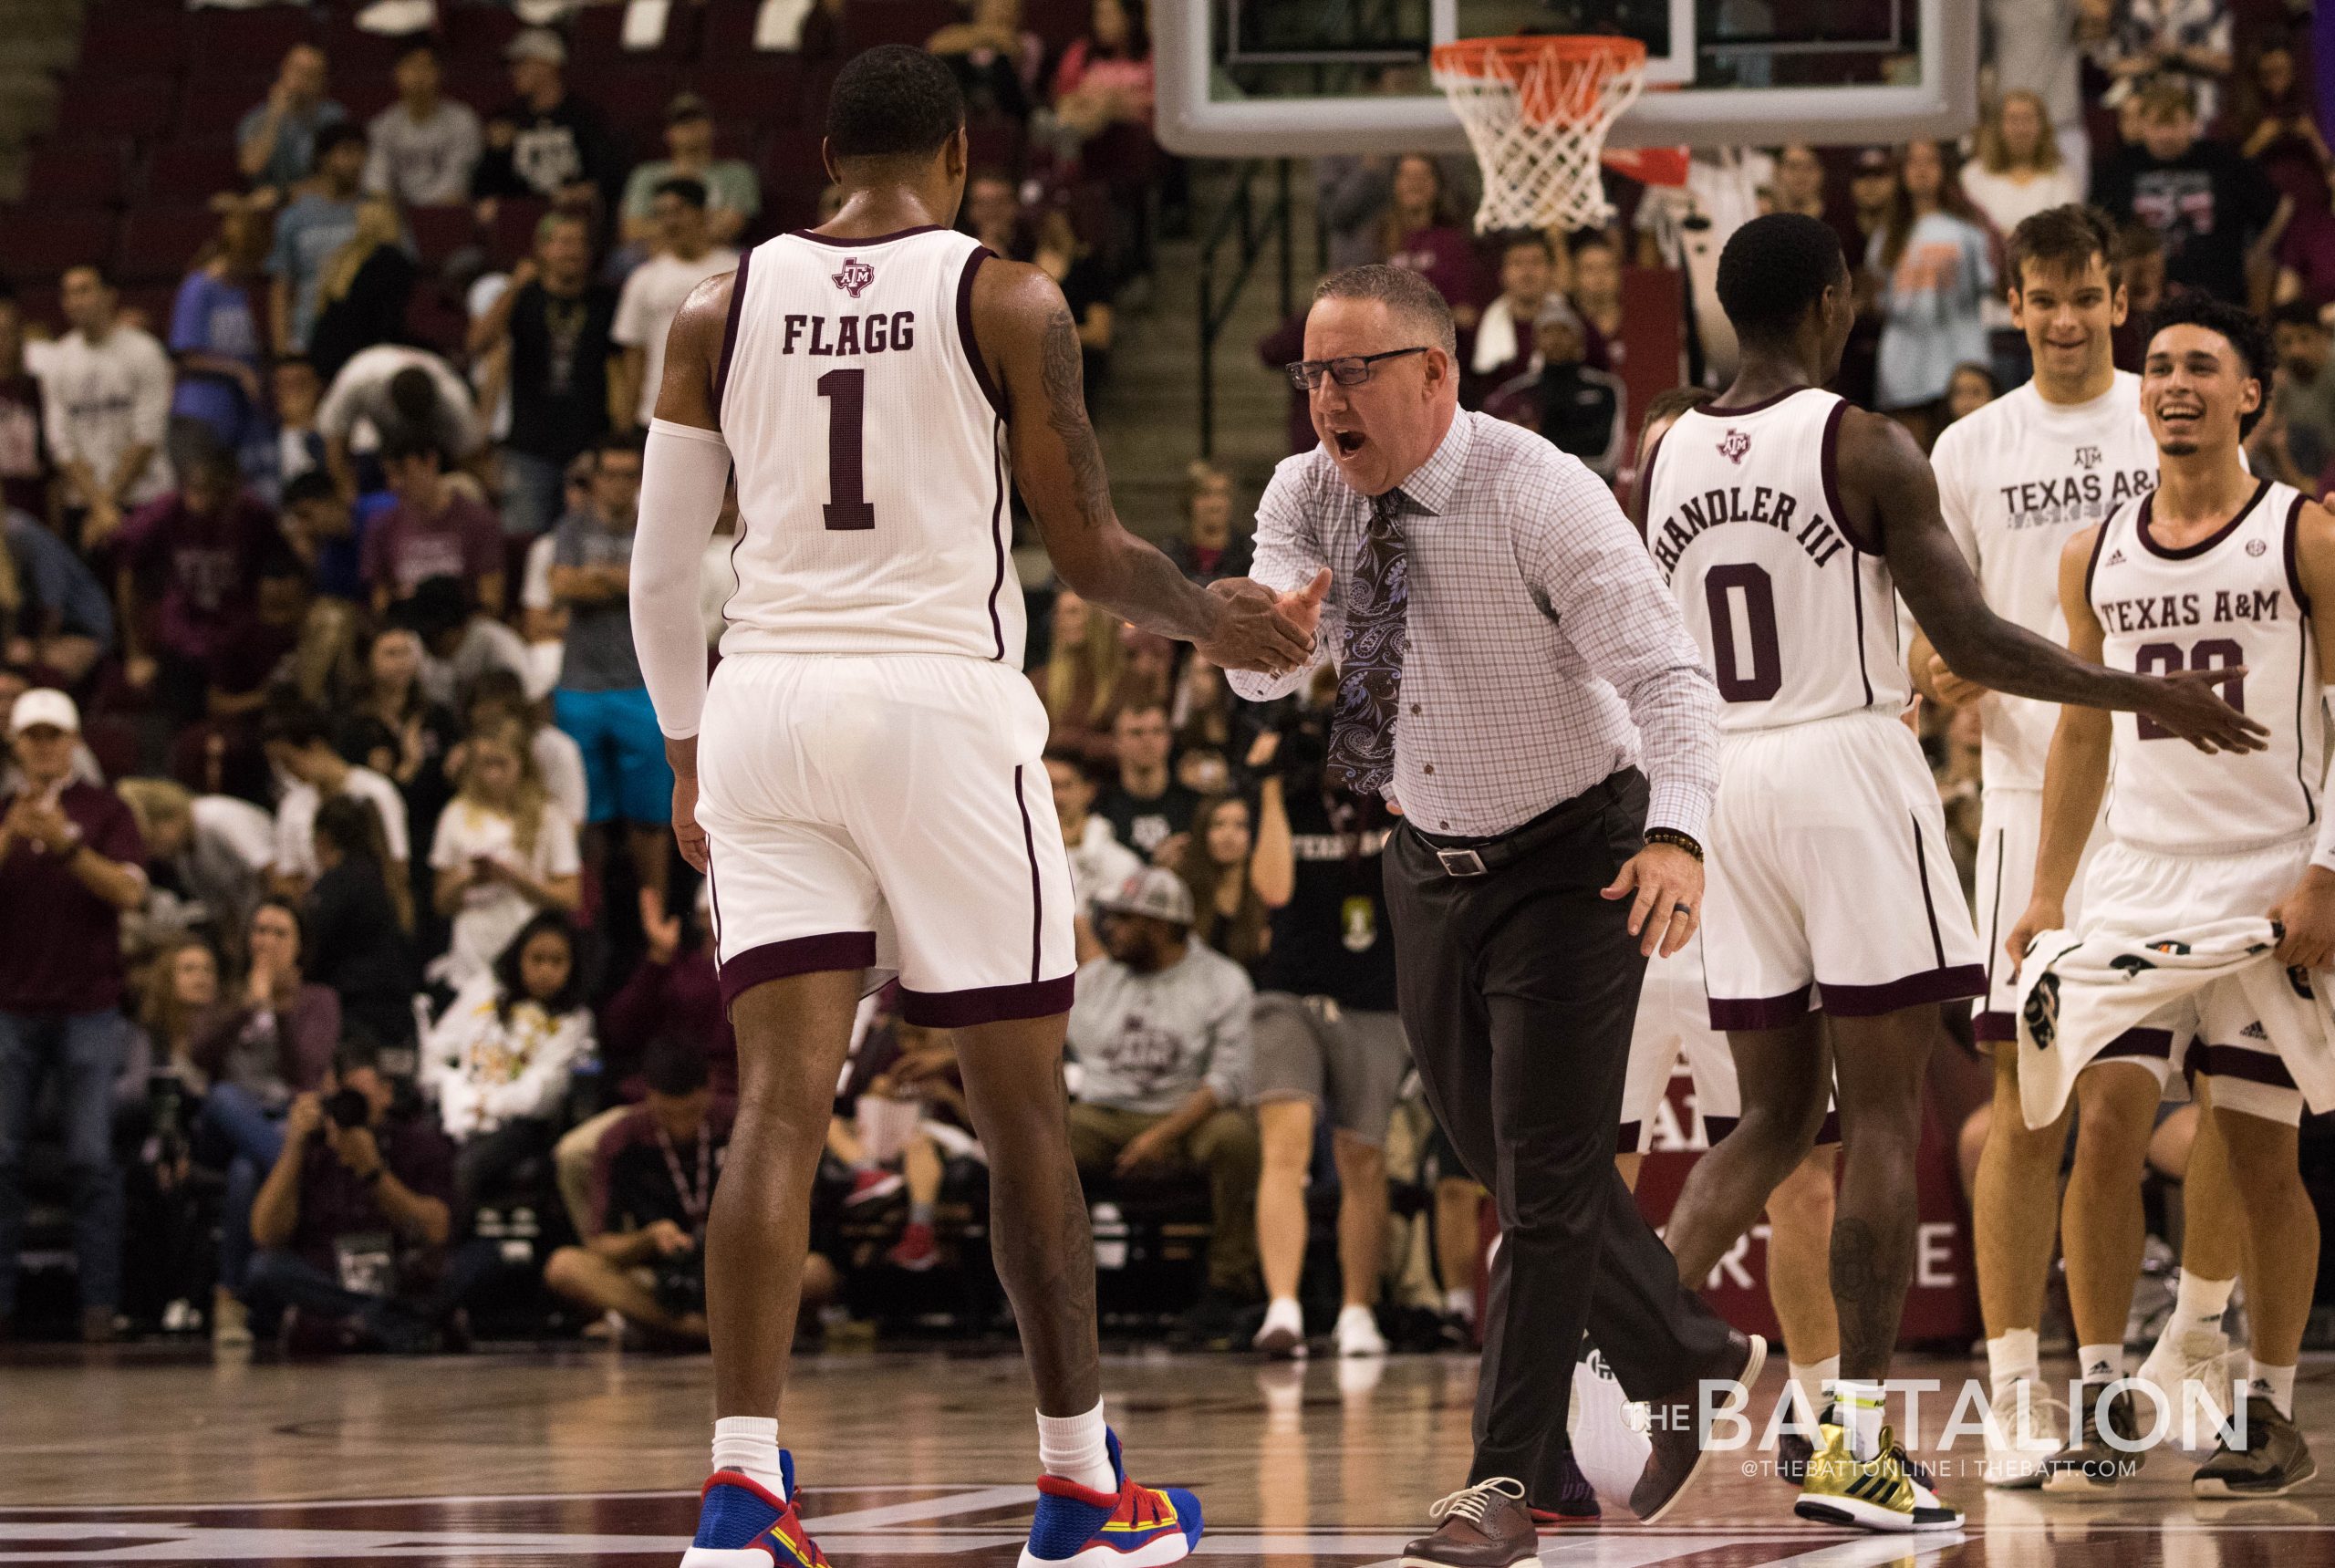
(36, 243)
(867, 23)
(123, 40)
(246, 44)
(439, 231)
(85, 172)
(211, 107)
(157, 243)
(477, 32)
(511, 236)
(152, 301)
(634, 97)
(1061, 22)
(755, 90)
(192, 168)
(596, 40)
(130, 105)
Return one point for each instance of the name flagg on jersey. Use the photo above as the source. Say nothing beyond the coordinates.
(877, 333)
(1767, 507)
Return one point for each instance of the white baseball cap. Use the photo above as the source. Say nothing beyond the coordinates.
(1154, 891)
(45, 705)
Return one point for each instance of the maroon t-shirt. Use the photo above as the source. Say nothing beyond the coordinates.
(405, 549)
(1446, 258)
(60, 944)
(206, 570)
(334, 1204)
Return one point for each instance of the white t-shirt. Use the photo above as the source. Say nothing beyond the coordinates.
(296, 820)
(359, 397)
(99, 399)
(652, 297)
(2015, 478)
(493, 912)
(2007, 202)
(234, 843)
(560, 761)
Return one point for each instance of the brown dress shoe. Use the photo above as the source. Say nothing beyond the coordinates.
(1484, 1526)
(1677, 1432)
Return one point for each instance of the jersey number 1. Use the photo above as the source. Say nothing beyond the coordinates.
(846, 391)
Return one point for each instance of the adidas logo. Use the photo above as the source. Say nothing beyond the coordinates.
(2116, 557)
(2253, 1031)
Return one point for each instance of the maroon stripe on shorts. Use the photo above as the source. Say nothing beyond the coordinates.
(1760, 1012)
(1958, 983)
(2246, 1063)
(2138, 1042)
(987, 1004)
(1995, 1026)
(798, 955)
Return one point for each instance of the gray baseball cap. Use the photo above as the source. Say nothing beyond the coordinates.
(1153, 891)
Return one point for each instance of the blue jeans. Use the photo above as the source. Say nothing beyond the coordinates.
(280, 1279)
(87, 1051)
(232, 1132)
(534, 494)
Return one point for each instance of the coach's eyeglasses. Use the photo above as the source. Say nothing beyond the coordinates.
(1351, 369)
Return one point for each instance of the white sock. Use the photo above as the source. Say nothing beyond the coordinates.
(749, 1445)
(2010, 1357)
(1460, 1302)
(1073, 1447)
(1859, 1409)
(2276, 1384)
(2199, 1304)
(1808, 1384)
(2100, 1363)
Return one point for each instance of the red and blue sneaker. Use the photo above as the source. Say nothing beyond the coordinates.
(740, 1525)
(1135, 1527)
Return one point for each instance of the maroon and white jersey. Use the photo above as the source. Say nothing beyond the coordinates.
(869, 451)
(1743, 515)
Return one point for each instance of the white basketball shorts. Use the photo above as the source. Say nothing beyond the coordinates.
(1829, 868)
(888, 813)
(2212, 1034)
(1673, 1022)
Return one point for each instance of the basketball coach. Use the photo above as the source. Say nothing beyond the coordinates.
(1516, 680)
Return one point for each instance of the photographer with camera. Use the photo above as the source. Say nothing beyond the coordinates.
(1326, 1038)
(654, 1182)
(352, 1220)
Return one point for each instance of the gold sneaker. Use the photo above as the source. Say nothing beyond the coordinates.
(1879, 1494)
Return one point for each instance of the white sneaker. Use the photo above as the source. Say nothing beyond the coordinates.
(1283, 1333)
(1358, 1331)
(2192, 1372)
(2026, 1427)
(1609, 1431)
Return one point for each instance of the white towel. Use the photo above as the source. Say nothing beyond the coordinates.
(2078, 993)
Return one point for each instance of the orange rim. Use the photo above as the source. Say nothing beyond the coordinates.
(1583, 61)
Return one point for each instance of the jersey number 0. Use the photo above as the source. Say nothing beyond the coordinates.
(846, 394)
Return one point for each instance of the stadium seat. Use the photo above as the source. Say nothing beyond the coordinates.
(477, 33)
(85, 172)
(513, 233)
(130, 105)
(762, 89)
(1061, 22)
(34, 243)
(596, 37)
(726, 36)
(357, 56)
(157, 243)
(634, 97)
(246, 45)
(192, 170)
(867, 23)
(439, 231)
(120, 40)
(153, 301)
(214, 109)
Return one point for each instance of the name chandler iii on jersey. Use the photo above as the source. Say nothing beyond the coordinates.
(1768, 506)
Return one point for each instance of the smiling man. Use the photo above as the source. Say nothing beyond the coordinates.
(2015, 480)
(1509, 658)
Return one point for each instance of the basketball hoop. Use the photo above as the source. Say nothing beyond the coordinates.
(1537, 110)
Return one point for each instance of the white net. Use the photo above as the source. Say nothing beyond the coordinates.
(1536, 111)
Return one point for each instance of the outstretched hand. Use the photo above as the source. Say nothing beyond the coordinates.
(1263, 630)
(2185, 703)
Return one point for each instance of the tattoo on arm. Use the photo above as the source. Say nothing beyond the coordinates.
(1064, 373)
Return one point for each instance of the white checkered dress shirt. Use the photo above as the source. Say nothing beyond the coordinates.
(1538, 631)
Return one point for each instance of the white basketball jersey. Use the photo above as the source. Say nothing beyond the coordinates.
(2015, 480)
(2230, 599)
(1743, 517)
(870, 452)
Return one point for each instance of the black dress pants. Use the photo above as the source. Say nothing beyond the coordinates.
(1518, 990)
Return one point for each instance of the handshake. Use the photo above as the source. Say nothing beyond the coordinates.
(1259, 629)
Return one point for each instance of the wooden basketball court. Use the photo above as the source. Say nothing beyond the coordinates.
(576, 1458)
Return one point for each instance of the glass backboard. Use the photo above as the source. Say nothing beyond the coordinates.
(1305, 78)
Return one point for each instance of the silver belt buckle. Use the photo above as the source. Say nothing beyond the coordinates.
(1461, 862)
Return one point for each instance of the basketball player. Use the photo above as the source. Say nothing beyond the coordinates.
(2219, 572)
(862, 783)
(1673, 1021)
(1784, 521)
(2015, 480)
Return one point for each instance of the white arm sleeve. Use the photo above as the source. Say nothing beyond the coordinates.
(684, 473)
